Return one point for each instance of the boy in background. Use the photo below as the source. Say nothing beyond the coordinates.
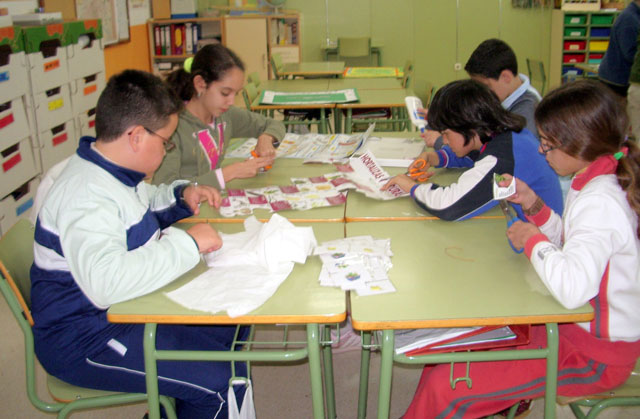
(103, 236)
(493, 63)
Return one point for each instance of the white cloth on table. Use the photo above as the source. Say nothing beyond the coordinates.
(248, 268)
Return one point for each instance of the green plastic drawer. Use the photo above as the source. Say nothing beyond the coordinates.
(601, 19)
(575, 19)
(575, 31)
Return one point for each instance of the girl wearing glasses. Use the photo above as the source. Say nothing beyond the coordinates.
(208, 85)
(589, 254)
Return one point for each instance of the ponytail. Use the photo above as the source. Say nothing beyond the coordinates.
(628, 177)
(181, 83)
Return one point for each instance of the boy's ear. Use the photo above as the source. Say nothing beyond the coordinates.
(506, 76)
(136, 137)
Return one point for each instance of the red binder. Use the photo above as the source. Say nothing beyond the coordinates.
(522, 332)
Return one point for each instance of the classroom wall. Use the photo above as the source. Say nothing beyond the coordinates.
(131, 54)
(435, 34)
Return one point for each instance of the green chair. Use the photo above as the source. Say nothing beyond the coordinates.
(249, 94)
(276, 65)
(351, 50)
(628, 394)
(16, 257)
(536, 73)
(254, 78)
(408, 74)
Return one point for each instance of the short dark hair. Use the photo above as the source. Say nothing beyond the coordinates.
(468, 108)
(211, 62)
(490, 58)
(133, 97)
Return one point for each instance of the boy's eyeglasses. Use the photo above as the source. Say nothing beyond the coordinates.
(168, 144)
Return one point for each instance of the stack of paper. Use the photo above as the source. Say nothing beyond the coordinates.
(413, 339)
(357, 264)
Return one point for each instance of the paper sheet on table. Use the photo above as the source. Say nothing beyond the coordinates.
(248, 268)
(369, 177)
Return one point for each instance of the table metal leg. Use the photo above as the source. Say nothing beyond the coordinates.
(315, 373)
(151, 370)
(363, 389)
(347, 121)
(386, 372)
(551, 386)
(327, 362)
(323, 121)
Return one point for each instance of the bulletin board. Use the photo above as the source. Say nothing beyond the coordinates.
(114, 15)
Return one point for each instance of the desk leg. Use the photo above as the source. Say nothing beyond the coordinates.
(151, 370)
(327, 361)
(386, 372)
(323, 121)
(551, 386)
(315, 373)
(363, 389)
(337, 120)
(347, 121)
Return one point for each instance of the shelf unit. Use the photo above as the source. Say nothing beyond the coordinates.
(578, 37)
(284, 37)
(171, 41)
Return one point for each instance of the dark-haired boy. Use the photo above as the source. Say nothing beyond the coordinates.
(494, 64)
(103, 236)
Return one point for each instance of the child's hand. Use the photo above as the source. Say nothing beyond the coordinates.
(403, 181)
(194, 194)
(430, 157)
(206, 237)
(246, 169)
(524, 195)
(265, 148)
(429, 137)
(520, 232)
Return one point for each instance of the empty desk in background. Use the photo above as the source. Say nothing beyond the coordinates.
(332, 49)
(372, 72)
(455, 275)
(299, 300)
(374, 99)
(313, 69)
(365, 83)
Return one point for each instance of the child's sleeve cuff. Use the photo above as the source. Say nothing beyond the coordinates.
(531, 243)
(540, 217)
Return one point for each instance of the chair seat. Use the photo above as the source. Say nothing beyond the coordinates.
(65, 392)
(630, 388)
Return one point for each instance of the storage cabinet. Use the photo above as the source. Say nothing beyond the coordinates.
(254, 37)
(171, 41)
(579, 37)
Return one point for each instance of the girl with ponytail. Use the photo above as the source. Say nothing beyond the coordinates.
(208, 84)
(589, 254)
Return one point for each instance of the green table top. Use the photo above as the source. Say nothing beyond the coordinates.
(300, 298)
(281, 173)
(455, 275)
(373, 72)
(313, 68)
(366, 83)
(296, 85)
(380, 98)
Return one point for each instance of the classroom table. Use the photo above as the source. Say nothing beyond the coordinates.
(281, 173)
(378, 98)
(590, 70)
(332, 49)
(313, 69)
(299, 300)
(373, 72)
(374, 83)
(445, 276)
(296, 85)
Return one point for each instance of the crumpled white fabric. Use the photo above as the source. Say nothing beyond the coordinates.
(248, 268)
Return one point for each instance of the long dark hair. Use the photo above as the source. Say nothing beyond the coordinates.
(211, 62)
(468, 108)
(586, 120)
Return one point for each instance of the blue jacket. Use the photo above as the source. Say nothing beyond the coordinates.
(616, 64)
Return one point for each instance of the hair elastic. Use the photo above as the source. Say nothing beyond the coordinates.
(618, 155)
(187, 64)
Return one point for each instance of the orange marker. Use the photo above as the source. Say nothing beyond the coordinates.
(254, 153)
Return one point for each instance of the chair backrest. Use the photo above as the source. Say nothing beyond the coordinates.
(249, 93)
(16, 257)
(536, 73)
(355, 48)
(408, 74)
(254, 78)
(276, 65)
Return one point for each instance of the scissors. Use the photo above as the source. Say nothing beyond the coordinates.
(512, 217)
(254, 153)
(417, 171)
